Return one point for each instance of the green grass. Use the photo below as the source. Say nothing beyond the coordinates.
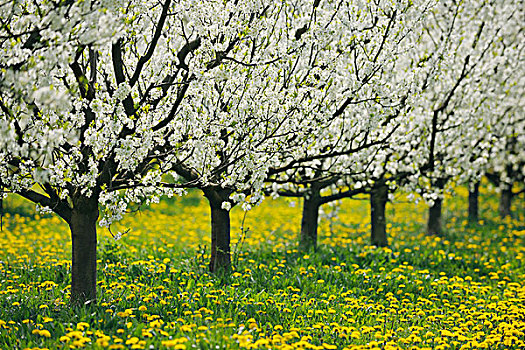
(462, 290)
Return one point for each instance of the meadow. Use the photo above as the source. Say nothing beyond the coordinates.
(463, 290)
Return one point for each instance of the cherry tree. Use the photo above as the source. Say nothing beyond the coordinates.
(42, 120)
(260, 107)
(498, 154)
(505, 165)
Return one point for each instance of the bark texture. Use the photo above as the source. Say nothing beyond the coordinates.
(378, 199)
(83, 226)
(505, 201)
(473, 207)
(220, 259)
(434, 223)
(310, 219)
(1, 212)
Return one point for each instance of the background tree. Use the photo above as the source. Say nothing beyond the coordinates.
(506, 167)
(379, 81)
(455, 109)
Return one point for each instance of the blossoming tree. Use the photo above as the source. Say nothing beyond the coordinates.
(506, 165)
(347, 156)
(288, 103)
(49, 61)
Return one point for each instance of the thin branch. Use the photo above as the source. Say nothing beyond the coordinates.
(151, 49)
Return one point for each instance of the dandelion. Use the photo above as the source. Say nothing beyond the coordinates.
(82, 326)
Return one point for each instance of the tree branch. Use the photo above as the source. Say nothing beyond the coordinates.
(58, 206)
(151, 49)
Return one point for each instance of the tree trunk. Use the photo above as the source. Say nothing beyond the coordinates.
(434, 226)
(473, 208)
(434, 223)
(378, 199)
(309, 221)
(505, 200)
(220, 259)
(83, 225)
(1, 211)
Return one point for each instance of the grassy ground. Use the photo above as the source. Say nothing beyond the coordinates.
(464, 290)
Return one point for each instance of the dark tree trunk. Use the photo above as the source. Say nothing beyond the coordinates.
(220, 259)
(83, 225)
(434, 223)
(434, 226)
(378, 199)
(309, 221)
(220, 239)
(1, 212)
(505, 200)
(473, 208)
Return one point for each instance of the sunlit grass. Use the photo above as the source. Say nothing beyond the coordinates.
(463, 290)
